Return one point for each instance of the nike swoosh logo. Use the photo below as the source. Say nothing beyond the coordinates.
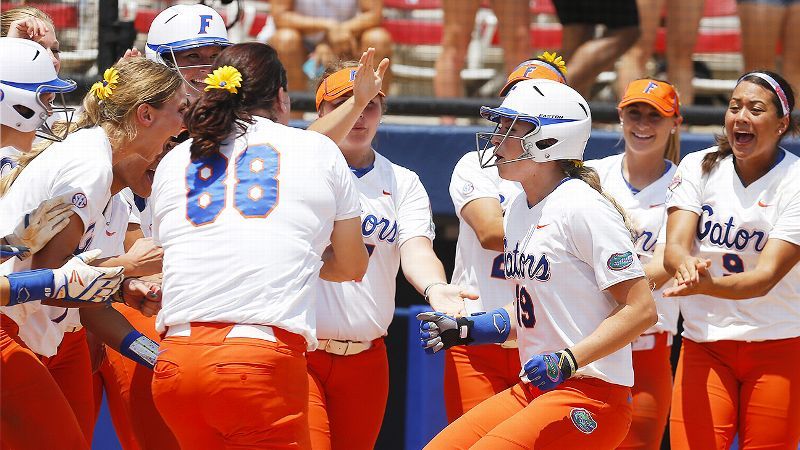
(111, 233)
(657, 205)
(539, 227)
(387, 193)
(762, 204)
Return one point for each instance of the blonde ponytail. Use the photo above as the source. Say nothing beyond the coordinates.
(576, 169)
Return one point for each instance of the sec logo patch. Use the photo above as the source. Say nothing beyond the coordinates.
(620, 261)
(467, 188)
(80, 200)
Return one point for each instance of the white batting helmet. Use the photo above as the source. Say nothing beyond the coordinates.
(26, 73)
(560, 116)
(182, 27)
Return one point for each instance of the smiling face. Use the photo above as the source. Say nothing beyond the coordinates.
(137, 169)
(360, 137)
(195, 65)
(510, 148)
(752, 125)
(645, 129)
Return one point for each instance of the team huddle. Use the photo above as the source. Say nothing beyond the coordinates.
(227, 280)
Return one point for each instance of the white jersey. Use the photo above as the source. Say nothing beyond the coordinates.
(80, 166)
(243, 231)
(562, 254)
(394, 209)
(734, 226)
(8, 159)
(646, 209)
(141, 212)
(479, 269)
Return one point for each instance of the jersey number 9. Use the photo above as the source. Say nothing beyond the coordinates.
(255, 185)
(525, 314)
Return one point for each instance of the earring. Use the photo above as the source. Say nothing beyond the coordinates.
(672, 131)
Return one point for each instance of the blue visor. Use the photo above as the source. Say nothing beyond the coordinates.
(494, 114)
(54, 85)
(189, 43)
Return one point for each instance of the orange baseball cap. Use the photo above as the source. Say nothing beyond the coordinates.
(530, 70)
(658, 94)
(337, 84)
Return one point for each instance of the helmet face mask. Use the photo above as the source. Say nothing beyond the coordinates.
(27, 75)
(180, 28)
(560, 117)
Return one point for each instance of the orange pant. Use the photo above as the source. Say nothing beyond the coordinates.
(105, 379)
(652, 392)
(347, 398)
(474, 373)
(725, 386)
(71, 369)
(215, 392)
(130, 399)
(582, 413)
(34, 413)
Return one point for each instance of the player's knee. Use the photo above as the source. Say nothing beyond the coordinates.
(378, 38)
(287, 40)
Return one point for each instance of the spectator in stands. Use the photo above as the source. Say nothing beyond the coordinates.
(586, 54)
(764, 25)
(513, 17)
(312, 34)
(683, 24)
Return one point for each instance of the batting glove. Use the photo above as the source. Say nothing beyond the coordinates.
(439, 331)
(40, 225)
(78, 281)
(549, 370)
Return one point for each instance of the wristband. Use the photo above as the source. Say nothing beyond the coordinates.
(139, 348)
(567, 363)
(30, 285)
(490, 328)
(428, 287)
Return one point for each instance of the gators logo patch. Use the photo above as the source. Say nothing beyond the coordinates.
(582, 420)
(620, 261)
(551, 367)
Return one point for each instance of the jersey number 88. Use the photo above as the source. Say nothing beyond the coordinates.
(255, 186)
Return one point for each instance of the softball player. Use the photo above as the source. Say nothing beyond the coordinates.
(733, 241)
(480, 197)
(638, 178)
(89, 165)
(243, 249)
(349, 372)
(581, 295)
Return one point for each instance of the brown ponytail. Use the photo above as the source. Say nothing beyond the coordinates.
(218, 113)
(576, 169)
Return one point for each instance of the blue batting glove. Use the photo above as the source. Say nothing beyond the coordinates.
(549, 370)
(439, 331)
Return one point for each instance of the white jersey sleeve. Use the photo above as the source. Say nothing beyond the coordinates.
(787, 225)
(686, 188)
(599, 238)
(341, 181)
(470, 182)
(8, 159)
(415, 209)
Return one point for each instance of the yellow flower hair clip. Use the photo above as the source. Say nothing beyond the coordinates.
(225, 77)
(556, 60)
(103, 89)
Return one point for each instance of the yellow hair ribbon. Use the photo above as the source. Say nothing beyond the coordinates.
(103, 89)
(556, 60)
(225, 77)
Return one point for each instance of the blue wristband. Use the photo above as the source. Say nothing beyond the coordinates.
(139, 348)
(491, 327)
(30, 285)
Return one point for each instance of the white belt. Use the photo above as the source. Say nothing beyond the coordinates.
(343, 348)
(263, 332)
